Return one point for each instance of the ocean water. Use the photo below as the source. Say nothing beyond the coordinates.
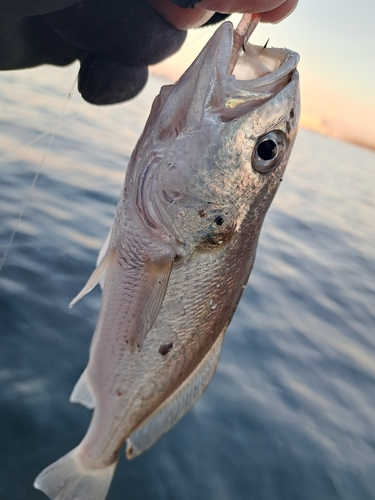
(290, 412)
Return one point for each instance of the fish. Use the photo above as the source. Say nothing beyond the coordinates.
(178, 257)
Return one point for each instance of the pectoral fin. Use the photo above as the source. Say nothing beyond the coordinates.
(147, 300)
(133, 293)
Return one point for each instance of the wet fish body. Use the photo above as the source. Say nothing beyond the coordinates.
(196, 191)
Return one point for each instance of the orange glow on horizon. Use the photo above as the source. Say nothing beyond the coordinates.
(327, 108)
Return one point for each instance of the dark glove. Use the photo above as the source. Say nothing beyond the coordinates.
(115, 40)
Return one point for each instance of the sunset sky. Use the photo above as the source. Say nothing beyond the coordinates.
(336, 42)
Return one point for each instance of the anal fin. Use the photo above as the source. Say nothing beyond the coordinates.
(173, 408)
(82, 393)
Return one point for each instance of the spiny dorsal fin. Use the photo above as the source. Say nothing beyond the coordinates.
(97, 276)
(104, 248)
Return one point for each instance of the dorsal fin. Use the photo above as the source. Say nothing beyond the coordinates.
(104, 248)
(97, 276)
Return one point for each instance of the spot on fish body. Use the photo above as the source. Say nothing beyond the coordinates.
(165, 348)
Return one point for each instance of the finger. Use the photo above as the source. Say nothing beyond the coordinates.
(13, 11)
(31, 42)
(181, 18)
(272, 10)
(102, 80)
(185, 18)
(280, 13)
(129, 31)
(229, 6)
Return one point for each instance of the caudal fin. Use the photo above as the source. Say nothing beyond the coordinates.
(69, 479)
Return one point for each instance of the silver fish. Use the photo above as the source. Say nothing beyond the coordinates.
(197, 188)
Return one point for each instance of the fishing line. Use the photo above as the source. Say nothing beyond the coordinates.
(60, 125)
(209, 29)
(39, 138)
(37, 173)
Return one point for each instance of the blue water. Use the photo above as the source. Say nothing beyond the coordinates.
(290, 413)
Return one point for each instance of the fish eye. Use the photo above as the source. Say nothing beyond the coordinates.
(269, 151)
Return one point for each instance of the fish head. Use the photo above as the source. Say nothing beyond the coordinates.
(216, 144)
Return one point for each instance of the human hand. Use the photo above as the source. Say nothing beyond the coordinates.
(272, 11)
(115, 41)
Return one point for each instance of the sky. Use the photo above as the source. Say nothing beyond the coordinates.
(336, 42)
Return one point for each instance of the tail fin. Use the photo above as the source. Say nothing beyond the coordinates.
(69, 479)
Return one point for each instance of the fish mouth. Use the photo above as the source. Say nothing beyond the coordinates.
(259, 74)
(263, 69)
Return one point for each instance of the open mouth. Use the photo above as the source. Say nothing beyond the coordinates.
(255, 73)
(264, 68)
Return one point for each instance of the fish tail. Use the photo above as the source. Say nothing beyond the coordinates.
(69, 479)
